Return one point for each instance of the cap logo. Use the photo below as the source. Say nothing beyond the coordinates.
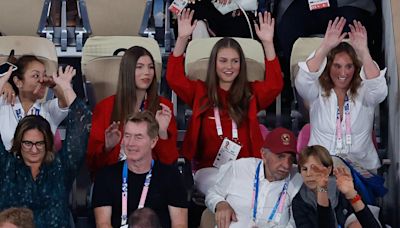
(285, 139)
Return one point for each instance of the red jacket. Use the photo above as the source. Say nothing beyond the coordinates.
(191, 92)
(165, 150)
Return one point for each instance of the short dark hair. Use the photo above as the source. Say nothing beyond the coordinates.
(147, 117)
(34, 122)
(317, 151)
(144, 218)
(20, 217)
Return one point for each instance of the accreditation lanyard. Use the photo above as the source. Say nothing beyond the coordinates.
(18, 110)
(279, 203)
(217, 119)
(347, 120)
(124, 215)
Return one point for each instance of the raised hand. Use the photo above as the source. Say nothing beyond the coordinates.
(163, 117)
(224, 214)
(358, 38)
(265, 31)
(321, 175)
(334, 34)
(185, 26)
(63, 79)
(344, 182)
(112, 136)
(7, 91)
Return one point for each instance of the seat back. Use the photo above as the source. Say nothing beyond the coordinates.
(198, 54)
(23, 45)
(302, 48)
(118, 17)
(20, 18)
(101, 68)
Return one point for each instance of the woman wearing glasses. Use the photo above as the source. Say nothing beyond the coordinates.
(33, 175)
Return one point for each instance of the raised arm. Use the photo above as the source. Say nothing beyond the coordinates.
(265, 32)
(358, 40)
(333, 36)
(165, 149)
(345, 184)
(176, 78)
(75, 145)
(185, 30)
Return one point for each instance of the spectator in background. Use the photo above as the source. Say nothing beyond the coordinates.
(136, 91)
(30, 83)
(145, 182)
(144, 218)
(225, 106)
(212, 23)
(16, 218)
(324, 201)
(33, 175)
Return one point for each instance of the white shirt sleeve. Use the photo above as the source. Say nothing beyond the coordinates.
(306, 82)
(219, 191)
(375, 90)
(56, 113)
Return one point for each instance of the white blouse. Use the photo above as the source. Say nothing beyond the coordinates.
(323, 111)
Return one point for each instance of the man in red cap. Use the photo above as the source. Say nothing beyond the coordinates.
(252, 192)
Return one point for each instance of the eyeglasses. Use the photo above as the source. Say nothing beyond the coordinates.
(29, 144)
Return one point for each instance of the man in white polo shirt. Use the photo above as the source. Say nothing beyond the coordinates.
(252, 192)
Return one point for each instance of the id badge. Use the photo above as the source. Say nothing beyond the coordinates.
(318, 4)
(177, 6)
(228, 151)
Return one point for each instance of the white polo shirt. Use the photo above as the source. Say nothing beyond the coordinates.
(235, 183)
(10, 116)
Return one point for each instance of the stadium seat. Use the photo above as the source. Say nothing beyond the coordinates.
(20, 18)
(118, 17)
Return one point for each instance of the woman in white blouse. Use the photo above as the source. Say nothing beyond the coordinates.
(343, 84)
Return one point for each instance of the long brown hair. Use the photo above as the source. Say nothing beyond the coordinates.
(239, 92)
(125, 99)
(325, 79)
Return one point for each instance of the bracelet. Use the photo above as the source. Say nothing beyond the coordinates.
(355, 199)
(322, 189)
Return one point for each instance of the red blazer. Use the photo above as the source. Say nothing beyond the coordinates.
(165, 150)
(191, 92)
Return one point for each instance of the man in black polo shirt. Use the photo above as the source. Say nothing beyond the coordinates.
(139, 181)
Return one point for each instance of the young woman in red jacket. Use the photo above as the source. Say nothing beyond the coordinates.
(136, 91)
(224, 122)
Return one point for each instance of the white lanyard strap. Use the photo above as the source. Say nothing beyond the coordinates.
(279, 205)
(124, 214)
(218, 125)
(347, 120)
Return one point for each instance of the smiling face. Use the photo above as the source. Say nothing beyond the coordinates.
(342, 71)
(227, 67)
(144, 72)
(29, 86)
(33, 147)
(136, 141)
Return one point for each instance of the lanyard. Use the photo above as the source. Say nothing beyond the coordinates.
(219, 126)
(279, 203)
(18, 110)
(124, 215)
(347, 120)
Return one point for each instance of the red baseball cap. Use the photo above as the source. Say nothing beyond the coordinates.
(281, 140)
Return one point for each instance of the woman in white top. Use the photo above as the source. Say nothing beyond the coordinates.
(30, 83)
(342, 85)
